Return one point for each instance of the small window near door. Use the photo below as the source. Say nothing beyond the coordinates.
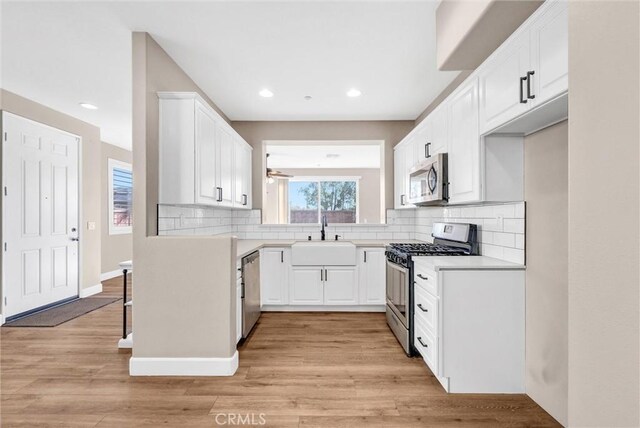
(120, 197)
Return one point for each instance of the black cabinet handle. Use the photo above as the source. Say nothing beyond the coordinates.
(522, 100)
(422, 308)
(529, 94)
(245, 199)
(427, 150)
(326, 275)
(422, 277)
(421, 342)
(402, 200)
(281, 256)
(365, 256)
(321, 278)
(219, 189)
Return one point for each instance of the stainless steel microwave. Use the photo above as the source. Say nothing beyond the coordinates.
(428, 181)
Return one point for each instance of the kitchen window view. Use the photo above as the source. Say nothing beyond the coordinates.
(337, 199)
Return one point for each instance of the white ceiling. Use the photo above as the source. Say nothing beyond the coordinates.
(323, 156)
(64, 53)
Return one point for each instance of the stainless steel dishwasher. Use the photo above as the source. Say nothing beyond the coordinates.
(250, 292)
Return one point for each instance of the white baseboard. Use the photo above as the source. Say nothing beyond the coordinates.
(323, 308)
(90, 291)
(108, 275)
(126, 343)
(183, 366)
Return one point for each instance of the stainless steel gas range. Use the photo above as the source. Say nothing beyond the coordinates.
(450, 239)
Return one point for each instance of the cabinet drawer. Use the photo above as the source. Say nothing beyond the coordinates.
(426, 344)
(427, 279)
(426, 310)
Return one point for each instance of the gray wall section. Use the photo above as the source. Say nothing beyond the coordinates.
(185, 286)
(115, 248)
(604, 188)
(547, 277)
(90, 263)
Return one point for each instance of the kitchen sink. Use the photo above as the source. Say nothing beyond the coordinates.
(323, 253)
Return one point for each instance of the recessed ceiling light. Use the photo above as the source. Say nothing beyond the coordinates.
(266, 93)
(353, 92)
(88, 106)
(332, 155)
(308, 97)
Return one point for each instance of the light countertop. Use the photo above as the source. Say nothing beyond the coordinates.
(465, 263)
(248, 246)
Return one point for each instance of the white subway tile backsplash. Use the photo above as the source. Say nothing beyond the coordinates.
(500, 226)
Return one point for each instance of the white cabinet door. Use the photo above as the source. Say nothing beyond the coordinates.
(502, 92)
(239, 310)
(439, 130)
(464, 145)
(224, 166)
(242, 174)
(340, 285)
(306, 285)
(421, 140)
(400, 177)
(274, 276)
(371, 276)
(205, 142)
(549, 53)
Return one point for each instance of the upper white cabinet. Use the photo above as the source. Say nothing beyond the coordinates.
(197, 155)
(549, 40)
(529, 69)
(402, 159)
(371, 276)
(242, 185)
(464, 144)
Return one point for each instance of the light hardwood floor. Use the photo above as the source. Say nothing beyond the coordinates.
(302, 369)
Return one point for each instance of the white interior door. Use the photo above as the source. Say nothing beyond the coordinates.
(40, 215)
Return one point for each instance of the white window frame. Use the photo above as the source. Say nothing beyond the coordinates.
(116, 230)
(327, 178)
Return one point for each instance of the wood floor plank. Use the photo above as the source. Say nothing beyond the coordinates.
(296, 369)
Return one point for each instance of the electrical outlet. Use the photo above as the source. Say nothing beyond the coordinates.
(91, 225)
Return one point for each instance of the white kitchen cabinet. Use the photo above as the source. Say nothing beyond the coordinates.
(503, 83)
(550, 53)
(197, 164)
(528, 70)
(401, 157)
(224, 166)
(340, 285)
(464, 145)
(371, 276)
(469, 326)
(307, 285)
(242, 174)
(275, 264)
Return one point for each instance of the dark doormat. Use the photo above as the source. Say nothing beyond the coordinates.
(63, 313)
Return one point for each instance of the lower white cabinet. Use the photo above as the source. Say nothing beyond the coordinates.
(323, 285)
(469, 327)
(371, 276)
(274, 275)
(307, 285)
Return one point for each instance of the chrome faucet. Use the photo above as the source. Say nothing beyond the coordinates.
(324, 223)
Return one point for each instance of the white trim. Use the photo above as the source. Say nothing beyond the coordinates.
(90, 291)
(126, 343)
(114, 163)
(183, 366)
(323, 308)
(112, 274)
(1, 319)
